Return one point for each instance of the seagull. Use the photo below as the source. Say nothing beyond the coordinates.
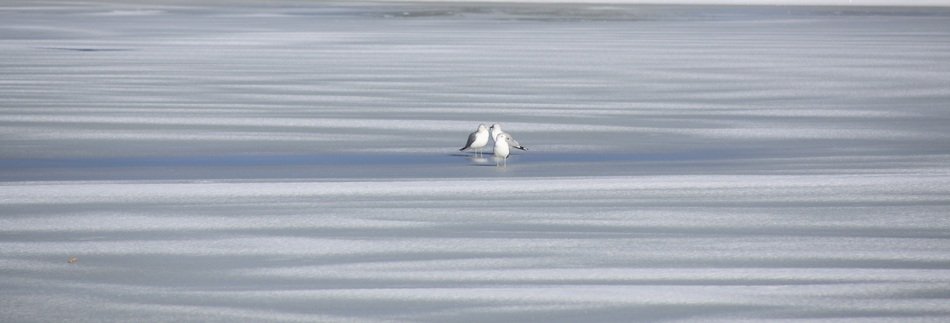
(501, 148)
(477, 140)
(496, 130)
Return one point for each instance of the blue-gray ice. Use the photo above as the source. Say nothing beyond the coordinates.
(297, 161)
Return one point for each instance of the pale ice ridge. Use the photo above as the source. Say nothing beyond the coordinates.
(797, 188)
(39, 133)
(322, 123)
(297, 128)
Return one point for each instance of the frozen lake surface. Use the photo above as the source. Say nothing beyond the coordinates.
(298, 161)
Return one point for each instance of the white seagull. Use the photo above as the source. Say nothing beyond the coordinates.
(496, 130)
(477, 140)
(501, 148)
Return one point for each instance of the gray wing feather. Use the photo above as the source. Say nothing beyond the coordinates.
(471, 139)
(514, 143)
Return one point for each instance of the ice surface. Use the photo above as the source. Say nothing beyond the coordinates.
(297, 161)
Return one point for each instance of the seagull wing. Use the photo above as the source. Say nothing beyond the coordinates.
(471, 139)
(514, 143)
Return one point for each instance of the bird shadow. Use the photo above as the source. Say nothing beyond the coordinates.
(484, 160)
